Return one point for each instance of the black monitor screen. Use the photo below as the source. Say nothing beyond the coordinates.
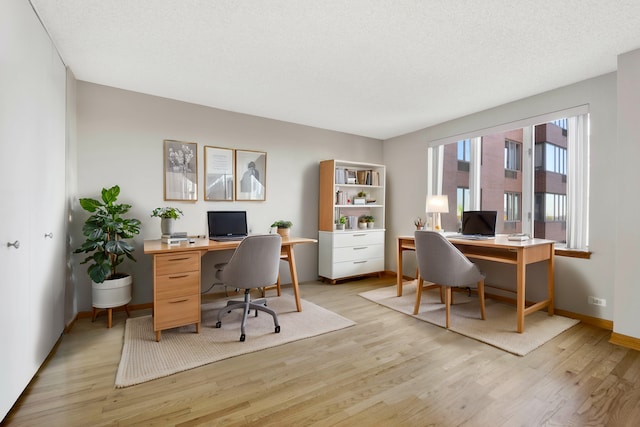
(479, 222)
(227, 223)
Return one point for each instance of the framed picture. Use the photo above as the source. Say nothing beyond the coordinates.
(180, 170)
(251, 173)
(219, 174)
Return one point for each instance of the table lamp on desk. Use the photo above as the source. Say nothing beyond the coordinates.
(437, 204)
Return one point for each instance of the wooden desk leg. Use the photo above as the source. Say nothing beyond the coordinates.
(550, 281)
(158, 333)
(521, 288)
(399, 267)
(294, 276)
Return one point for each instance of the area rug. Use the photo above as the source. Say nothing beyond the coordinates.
(498, 330)
(180, 349)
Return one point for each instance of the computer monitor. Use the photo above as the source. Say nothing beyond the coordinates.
(227, 224)
(479, 223)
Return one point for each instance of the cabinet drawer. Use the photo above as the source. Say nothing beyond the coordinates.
(176, 312)
(177, 263)
(355, 268)
(176, 285)
(359, 252)
(358, 238)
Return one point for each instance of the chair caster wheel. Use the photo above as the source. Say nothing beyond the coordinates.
(242, 337)
(219, 325)
(278, 329)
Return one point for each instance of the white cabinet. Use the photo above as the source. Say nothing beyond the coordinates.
(354, 251)
(33, 225)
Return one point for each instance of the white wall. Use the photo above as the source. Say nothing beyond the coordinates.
(626, 171)
(120, 141)
(405, 157)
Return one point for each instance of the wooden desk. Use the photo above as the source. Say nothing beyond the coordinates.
(505, 251)
(176, 278)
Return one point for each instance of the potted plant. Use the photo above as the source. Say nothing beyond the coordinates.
(283, 227)
(370, 220)
(341, 222)
(168, 216)
(106, 231)
(362, 222)
(360, 199)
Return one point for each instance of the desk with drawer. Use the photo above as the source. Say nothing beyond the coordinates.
(176, 279)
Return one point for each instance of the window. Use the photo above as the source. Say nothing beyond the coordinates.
(464, 150)
(511, 207)
(512, 155)
(530, 173)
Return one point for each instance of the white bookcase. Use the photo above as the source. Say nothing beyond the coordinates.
(356, 250)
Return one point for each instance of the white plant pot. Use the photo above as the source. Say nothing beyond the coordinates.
(284, 232)
(111, 293)
(370, 224)
(362, 225)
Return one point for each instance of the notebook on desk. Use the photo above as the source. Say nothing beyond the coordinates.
(227, 225)
(478, 225)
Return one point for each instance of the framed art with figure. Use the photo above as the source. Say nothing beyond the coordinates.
(180, 170)
(251, 172)
(219, 174)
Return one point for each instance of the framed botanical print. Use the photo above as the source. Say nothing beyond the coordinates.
(219, 174)
(180, 170)
(251, 173)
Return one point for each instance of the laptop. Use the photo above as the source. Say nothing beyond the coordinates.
(479, 225)
(227, 225)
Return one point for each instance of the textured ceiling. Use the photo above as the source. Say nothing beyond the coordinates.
(377, 68)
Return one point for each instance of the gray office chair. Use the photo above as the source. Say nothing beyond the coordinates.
(254, 264)
(442, 264)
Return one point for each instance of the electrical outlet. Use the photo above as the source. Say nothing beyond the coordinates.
(597, 301)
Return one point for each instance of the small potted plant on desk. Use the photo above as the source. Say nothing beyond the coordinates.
(168, 216)
(283, 227)
(105, 231)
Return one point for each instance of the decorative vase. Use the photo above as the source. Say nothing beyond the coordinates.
(111, 293)
(284, 232)
(167, 225)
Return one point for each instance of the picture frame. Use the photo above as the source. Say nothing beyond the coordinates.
(180, 170)
(219, 175)
(251, 172)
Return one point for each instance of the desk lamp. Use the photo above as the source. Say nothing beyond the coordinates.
(435, 206)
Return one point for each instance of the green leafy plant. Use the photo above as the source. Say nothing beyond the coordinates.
(362, 194)
(167, 212)
(342, 220)
(369, 218)
(282, 224)
(105, 231)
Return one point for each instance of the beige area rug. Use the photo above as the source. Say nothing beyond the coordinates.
(180, 349)
(498, 330)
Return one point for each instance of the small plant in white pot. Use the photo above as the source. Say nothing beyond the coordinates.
(168, 216)
(106, 231)
(283, 227)
(341, 222)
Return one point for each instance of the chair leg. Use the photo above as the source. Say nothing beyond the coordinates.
(447, 302)
(481, 296)
(419, 285)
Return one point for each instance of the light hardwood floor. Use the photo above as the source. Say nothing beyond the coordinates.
(388, 370)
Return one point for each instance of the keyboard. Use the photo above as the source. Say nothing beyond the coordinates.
(473, 237)
(227, 238)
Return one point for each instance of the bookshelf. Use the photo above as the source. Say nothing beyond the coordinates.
(356, 250)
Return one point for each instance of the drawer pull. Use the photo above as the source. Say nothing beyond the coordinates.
(359, 262)
(360, 248)
(179, 259)
(179, 277)
(176, 302)
(359, 235)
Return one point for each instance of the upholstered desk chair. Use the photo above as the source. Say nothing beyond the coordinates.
(254, 265)
(442, 264)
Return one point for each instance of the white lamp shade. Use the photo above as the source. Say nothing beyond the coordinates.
(437, 204)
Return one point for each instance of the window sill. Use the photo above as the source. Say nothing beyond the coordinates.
(572, 253)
